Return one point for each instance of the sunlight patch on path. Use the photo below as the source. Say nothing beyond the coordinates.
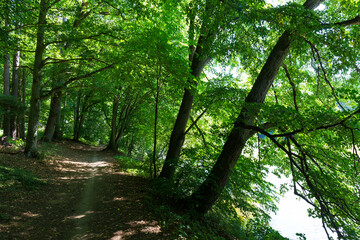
(87, 202)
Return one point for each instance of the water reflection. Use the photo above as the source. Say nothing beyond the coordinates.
(293, 218)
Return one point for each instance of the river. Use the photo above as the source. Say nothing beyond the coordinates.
(292, 217)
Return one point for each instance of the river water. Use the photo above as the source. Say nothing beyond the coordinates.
(292, 216)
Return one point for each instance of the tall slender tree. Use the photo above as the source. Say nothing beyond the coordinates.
(35, 102)
(14, 92)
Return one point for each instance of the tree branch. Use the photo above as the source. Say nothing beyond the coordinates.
(318, 57)
(292, 86)
(59, 88)
(346, 23)
(194, 122)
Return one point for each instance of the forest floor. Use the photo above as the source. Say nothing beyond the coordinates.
(86, 196)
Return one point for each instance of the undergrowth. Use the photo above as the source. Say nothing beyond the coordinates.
(13, 177)
(215, 225)
(133, 166)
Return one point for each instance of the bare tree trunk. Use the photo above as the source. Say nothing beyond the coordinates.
(209, 191)
(155, 125)
(14, 92)
(22, 115)
(21, 125)
(55, 110)
(112, 141)
(6, 91)
(35, 102)
(59, 119)
(77, 119)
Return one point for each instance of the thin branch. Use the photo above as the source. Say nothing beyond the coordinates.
(194, 122)
(201, 133)
(59, 88)
(56, 60)
(20, 27)
(293, 86)
(76, 39)
(316, 51)
(346, 23)
(121, 13)
(275, 94)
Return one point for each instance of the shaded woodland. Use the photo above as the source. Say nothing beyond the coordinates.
(209, 95)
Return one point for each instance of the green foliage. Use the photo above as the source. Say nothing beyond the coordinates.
(213, 226)
(133, 166)
(9, 106)
(311, 108)
(13, 177)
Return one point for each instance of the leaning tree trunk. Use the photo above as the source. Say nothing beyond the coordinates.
(177, 137)
(55, 111)
(14, 93)
(205, 196)
(35, 101)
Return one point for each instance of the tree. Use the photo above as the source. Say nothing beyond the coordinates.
(201, 50)
(14, 92)
(244, 127)
(35, 102)
(6, 89)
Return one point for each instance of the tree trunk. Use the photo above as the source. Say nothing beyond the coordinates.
(14, 92)
(155, 125)
(119, 120)
(55, 111)
(53, 125)
(131, 146)
(22, 115)
(205, 196)
(112, 141)
(177, 137)
(58, 134)
(6, 91)
(77, 119)
(35, 102)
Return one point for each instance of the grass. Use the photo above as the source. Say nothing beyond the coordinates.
(133, 166)
(13, 177)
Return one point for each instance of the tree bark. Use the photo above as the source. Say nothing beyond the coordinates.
(58, 132)
(112, 141)
(53, 125)
(155, 125)
(35, 102)
(6, 91)
(177, 137)
(14, 92)
(209, 191)
(22, 115)
(119, 120)
(55, 110)
(77, 119)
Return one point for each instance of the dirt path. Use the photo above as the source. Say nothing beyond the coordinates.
(86, 197)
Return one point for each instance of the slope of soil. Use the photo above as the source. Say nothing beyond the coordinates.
(86, 197)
